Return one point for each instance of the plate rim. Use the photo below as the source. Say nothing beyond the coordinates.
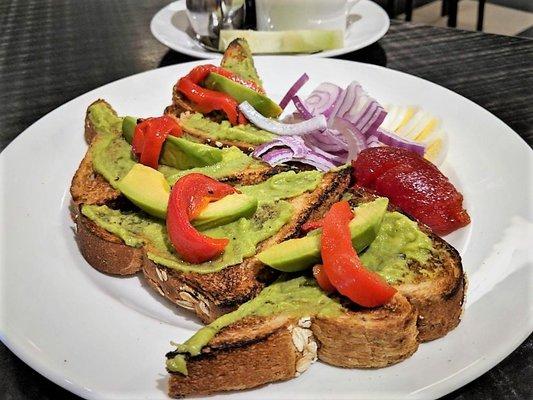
(446, 386)
(207, 54)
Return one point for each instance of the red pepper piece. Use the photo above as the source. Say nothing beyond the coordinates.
(149, 137)
(342, 265)
(312, 225)
(208, 100)
(200, 73)
(322, 279)
(187, 199)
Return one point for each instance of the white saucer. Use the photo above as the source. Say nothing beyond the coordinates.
(368, 22)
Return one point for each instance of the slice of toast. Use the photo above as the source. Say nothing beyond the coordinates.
(237, 59)
(420, 311)
(211, 295)
(89, 187)
(257, 350)
(438, 299)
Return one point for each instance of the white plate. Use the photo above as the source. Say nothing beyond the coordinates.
(171, 27)
(105, 337)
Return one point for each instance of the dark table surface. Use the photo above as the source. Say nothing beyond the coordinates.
(53, 51)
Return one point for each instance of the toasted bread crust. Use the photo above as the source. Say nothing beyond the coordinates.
(270, 349)
(89, 187)
(439, 301)
(438, 298)
(104, 251)
(368, 338)
(220, 292)
(89, 131)
(253, 360)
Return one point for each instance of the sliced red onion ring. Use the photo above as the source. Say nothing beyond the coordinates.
(300, 106)
(355, 139)
(293, 90)
(322, 100)
(278, 156)
(338, 159)
(391, 139)
(318, 161)
(301, 128)
(295, 143)
(329, 140)
(357, 107)
(373, 141)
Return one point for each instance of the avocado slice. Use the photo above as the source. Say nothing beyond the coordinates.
(178, 152)
(226, 210)
(238, 59)
(128, 128)
(242, 93)
(183, 154)
(299, 254)
(147, 188)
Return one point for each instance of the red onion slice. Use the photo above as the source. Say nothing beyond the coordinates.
(301, 128)
(391, 139)
(355, 139)
(322, 100)
(293, 90)
(300, 106)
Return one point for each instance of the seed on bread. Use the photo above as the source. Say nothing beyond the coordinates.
(305, 344)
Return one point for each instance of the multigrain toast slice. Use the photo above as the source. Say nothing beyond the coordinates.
(214, 294)
(424, 309)
(238, 59)
(89, 187)
(263, 349)
(209, 295)
(439, 298)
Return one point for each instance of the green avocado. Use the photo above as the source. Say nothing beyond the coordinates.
(242, 93)
(183, 154)
(128, 128)
(226, 210)
(178, 152)
(225, 131)
(147, 188)
(298, 254)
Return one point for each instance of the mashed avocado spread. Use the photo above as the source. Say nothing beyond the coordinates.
(299, 297)
(398, 242)
(224, 130)
(138, 229)
(113, 159)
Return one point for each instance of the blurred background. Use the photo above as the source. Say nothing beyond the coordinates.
(504, 17)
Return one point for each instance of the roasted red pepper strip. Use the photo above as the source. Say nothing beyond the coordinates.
(187, 198)
(322, 279)
(342, 265)
(311, 225)
(198, 75)
(208, 100)
(149, 137)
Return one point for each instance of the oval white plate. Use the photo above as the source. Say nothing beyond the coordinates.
(105, 337)
(171, 27)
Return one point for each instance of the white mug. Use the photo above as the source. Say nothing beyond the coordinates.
(281, 15)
